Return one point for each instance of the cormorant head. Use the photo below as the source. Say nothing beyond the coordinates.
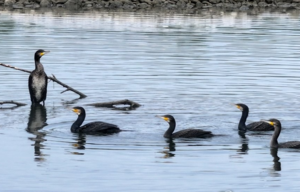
(78, 110)
(273, 122)
(39, 53)
(241, 106)
(168, 118)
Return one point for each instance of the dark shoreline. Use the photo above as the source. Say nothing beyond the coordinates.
(190, 6)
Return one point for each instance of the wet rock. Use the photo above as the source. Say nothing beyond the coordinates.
(244, 8)
(283, 5)
(238, 4)
(18, 6)
(181, 4)
(143, 6)
(219, 5)
(9, 2)
(60, 5)
(198, 5)
(171, 6)
(149, 2)
(129, 6)
(89, 5)
(59, 1)
(206, 3)
(45, 3)
(28, 6)
(73, 4)
(190, 6)
(215, 1)
(115, 4)
(262, 4)
(157, 3)
(254, 4)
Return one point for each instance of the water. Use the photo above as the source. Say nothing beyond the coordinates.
(191, 66)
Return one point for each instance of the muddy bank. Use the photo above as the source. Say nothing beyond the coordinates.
(191, 5)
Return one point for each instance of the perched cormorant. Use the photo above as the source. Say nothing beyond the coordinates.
(186, 133)
(38, 80)
(96, 127)
(255, 126)
(274, 143)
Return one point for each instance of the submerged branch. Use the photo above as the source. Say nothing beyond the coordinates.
(113, 104)
(12, 102)
(53, 78)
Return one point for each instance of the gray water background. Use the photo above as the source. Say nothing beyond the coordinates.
(194, 67)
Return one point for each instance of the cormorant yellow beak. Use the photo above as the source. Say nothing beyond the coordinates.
(164, 118)
(270, 122)
(237, 106)
(44, 53)
(77, 111)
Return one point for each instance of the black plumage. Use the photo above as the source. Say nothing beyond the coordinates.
(274, 141)
(186, 133)
(97, 127)
(38, 80)
(255, 126)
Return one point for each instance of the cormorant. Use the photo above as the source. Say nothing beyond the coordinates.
(274, 143)
(255, 126)
(186, 133)
(97, 127)
(38, 80)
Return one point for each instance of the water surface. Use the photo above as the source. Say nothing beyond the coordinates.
(191, 66)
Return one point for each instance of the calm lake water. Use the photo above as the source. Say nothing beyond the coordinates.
(191, 66)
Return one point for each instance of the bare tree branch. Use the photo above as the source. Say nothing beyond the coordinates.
(112, 104)
(53, 78)
(12, 102)
(16, 68)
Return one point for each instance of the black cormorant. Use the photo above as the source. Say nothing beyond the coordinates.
(186, 133)
(274, 143)
(255, 126)
(38, 80)
(96, 127)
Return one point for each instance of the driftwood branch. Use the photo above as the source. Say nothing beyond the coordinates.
(16, 68)
(53, 78)
(12, 102)
(113, 104)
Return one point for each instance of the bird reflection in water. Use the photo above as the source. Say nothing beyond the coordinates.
(277, 164)
(79, 144)
(244, 140)
(169, 148)
(37, 120)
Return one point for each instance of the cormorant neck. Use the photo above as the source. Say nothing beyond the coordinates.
(277, 130)
(172, 125)
(242, 123)
(38, 64)
(78, 122)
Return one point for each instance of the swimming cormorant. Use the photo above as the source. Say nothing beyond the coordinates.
(97, 127)
(255, 126)
(274, 143)
(186, 133)
(38, 80)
